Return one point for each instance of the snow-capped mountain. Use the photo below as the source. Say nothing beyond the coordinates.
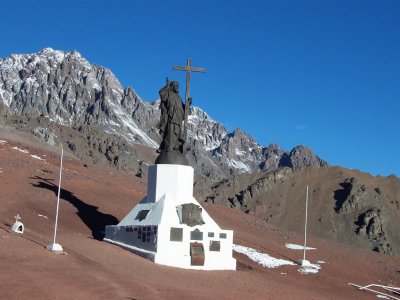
(63, 88)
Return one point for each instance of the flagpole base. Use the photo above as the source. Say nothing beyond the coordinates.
(54, 247)
(304, 263)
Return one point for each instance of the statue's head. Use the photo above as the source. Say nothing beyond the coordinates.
(175, 86)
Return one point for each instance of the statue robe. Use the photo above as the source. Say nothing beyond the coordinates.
(172, 116)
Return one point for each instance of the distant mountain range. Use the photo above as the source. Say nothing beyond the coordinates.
(60, 98)
(63, 88)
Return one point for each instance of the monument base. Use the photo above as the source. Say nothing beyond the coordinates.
(54, 247)
(171, 158)
(170, 227)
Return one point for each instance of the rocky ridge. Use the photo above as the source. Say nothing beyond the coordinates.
(345, 205)
(63, 88)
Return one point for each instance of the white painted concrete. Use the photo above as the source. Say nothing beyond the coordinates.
(170, 186)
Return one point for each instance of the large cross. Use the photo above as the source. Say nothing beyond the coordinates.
(188, 68)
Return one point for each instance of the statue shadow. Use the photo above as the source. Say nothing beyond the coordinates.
(96, 221)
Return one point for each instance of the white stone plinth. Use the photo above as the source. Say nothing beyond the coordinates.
(147, 229)
(173, 180)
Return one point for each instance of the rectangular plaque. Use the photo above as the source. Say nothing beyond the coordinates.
(196, 235)
(215, 246)
(176, 234)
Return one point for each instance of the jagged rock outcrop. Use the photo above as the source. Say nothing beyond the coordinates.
(66, 89)
(239, 151)
(302, 156)
(63, 88)
(367, 209)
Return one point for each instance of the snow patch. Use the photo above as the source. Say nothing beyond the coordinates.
(43, 216)
(261, 258)
(311, 269)
(241, 153)
(238, 165)
(21, 150)
(132, 126)
(298, 247)
(37, 157)
(3, 142)
(6, 97)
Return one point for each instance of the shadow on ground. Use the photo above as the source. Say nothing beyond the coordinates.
(96, 221)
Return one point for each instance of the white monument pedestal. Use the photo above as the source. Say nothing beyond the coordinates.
(171, 228)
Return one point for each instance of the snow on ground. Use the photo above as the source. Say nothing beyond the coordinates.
(311, 269)
(37, 157)
(270, 262)
(2, 142)
(298, 247)
(382, 296)
(21, 150)
(261, 258)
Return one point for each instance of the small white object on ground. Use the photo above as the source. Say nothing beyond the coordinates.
(304, 263)
(309, 269)
(18, 227)
(298, 247)
(54, 247)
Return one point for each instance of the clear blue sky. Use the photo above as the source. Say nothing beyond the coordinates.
(324, 73)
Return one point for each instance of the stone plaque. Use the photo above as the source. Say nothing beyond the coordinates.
(176, 234)
(215, 246)
(196, 235)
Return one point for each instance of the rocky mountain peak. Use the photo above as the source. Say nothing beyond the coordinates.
(239, 151)
(302, 156)
(204, 131)
(65, 89)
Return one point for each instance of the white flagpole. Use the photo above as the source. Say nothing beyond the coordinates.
(55, 246)
(305, 227)
(304, 262)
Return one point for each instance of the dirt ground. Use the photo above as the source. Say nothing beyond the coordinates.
(89, 268)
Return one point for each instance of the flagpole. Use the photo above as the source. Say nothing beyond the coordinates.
(54, 246)
(303, 262)
(305, 227)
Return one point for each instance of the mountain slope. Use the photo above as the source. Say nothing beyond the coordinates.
(344, 205)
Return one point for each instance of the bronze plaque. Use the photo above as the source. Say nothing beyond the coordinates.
(215, 246)
(196, 235)
(176, 234)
